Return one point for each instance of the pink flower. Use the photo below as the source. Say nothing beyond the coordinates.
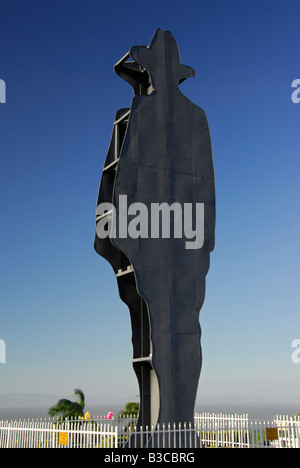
(108, 416)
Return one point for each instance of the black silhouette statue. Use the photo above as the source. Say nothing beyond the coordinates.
(160, 153)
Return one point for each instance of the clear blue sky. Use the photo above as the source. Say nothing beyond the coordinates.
(61, 317)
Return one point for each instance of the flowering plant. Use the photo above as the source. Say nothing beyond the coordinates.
(108, 416)
(86, 417)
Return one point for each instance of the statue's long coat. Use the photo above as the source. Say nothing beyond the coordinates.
(165, 157)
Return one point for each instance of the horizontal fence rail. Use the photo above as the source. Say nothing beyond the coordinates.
(207, 430)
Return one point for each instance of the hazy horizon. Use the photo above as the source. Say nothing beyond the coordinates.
(23, 406)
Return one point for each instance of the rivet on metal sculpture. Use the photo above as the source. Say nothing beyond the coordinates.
(155, 224)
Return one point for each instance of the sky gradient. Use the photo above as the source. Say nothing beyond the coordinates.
(60, 314)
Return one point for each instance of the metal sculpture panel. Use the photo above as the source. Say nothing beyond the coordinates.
(156, 225)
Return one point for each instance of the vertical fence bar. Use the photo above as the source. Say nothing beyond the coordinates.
(8, 436)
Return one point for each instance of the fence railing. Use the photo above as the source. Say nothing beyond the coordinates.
(47, 434)
(223, 430)
(207, 430)
(220, 431)
(288, 432)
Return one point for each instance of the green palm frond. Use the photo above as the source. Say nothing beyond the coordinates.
(131, 408)
(69, 409)
(79, 397)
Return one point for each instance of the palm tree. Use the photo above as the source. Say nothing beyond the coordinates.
(69, 409)
(131, 409)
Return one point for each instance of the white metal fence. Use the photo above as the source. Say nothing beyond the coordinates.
(47, 434)
(208, 430)
(238, 431)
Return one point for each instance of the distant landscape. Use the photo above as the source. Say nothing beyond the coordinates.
(35, 405)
